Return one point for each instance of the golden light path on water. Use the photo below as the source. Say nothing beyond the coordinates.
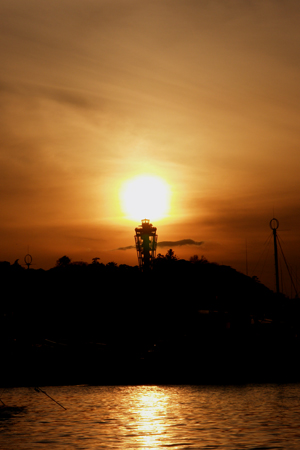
(152, 417)
(145, 196)
(151, 406)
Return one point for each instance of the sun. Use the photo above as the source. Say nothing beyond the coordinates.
(145, 197)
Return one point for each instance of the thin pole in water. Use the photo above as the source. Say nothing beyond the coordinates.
(37, 389)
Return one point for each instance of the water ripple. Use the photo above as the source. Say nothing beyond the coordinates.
(152, 417)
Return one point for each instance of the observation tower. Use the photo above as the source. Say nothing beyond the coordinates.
(145, 242)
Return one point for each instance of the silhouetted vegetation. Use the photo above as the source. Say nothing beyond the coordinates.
(63, 261)
(184, 321)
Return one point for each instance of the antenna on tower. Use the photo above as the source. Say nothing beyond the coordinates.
(274, 224)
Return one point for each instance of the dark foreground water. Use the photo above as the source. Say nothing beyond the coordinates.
(152, 417)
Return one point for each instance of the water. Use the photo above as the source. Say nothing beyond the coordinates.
(152, 417)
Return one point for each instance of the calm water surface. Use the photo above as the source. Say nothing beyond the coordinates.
(152, 417)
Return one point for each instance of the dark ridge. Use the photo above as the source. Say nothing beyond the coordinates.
(184, 322)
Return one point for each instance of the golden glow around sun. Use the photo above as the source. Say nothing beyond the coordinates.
(145, 197)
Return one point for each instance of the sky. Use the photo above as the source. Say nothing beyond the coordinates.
(202, 94)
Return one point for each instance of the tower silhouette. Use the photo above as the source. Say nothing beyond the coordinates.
(145, 242)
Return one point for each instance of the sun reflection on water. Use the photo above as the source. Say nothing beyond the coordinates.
(153, 417)
(149, 407)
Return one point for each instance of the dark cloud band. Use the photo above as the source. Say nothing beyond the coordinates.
(178, 243)
(169, 244)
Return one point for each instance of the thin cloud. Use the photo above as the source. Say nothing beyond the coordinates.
(179, 243)
(130, 247)
(169, 244)
(68, 96)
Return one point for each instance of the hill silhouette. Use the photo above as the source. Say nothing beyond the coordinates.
(183, 322)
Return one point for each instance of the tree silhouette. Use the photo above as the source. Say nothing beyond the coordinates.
(79, 263)
(195, 259)
(63, 261)
(170, 255)
(95, 260)
(112, 264)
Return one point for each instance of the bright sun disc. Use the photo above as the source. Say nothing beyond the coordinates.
(145, 197)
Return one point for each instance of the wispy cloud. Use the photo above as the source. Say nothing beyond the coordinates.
(169, 244)
(178, 243)
(129, 247)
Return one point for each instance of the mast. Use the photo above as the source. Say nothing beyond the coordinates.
(274, 224)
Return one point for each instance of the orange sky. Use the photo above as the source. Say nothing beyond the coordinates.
(204, 94)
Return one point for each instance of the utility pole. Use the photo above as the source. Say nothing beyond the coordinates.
(274, 224)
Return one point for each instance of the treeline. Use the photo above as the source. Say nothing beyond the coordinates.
(76, 300)
(116, 320)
